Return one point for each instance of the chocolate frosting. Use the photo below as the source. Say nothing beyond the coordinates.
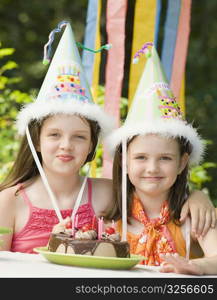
(85, 246)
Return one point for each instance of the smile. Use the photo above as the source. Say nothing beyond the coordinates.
(154, 178)
(65, 158)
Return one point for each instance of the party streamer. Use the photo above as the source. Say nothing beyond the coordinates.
(96, 69)
(115, 25)
(90, 61)
(180, 56)
(170, 36)
(157, 22)
(143, 31)
(89, 39)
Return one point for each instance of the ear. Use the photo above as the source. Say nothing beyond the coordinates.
(183, 162)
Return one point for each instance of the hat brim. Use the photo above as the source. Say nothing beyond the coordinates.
(171, 128)
(41, 109)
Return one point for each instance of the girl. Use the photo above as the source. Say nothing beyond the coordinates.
(157, 169)
(62, 128)
(60, 134)
(150, 173)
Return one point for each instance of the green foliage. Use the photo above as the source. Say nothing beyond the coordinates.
(199, 175)
(10, 102)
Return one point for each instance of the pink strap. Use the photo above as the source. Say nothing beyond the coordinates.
(89, 184)
(24, 195)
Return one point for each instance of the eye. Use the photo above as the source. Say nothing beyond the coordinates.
(140, 157)
(165, 158)
(54, 134)
(82, 137)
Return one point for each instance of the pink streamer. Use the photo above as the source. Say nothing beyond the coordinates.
(181, 47)
(116, 14)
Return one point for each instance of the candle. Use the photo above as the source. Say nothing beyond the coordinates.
(76, 221)
(113, 224)
(100, 227)
(73, 226)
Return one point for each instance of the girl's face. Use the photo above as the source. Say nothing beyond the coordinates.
(153, 163)
(65, 142)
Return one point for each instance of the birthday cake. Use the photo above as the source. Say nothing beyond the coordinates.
(86, 242)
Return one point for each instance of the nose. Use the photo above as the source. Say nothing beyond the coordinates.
(152, 166)
(66, 144)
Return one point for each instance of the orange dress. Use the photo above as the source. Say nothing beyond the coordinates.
(159, 235)
(176, 234)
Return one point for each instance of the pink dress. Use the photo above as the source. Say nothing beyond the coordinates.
(37, 230)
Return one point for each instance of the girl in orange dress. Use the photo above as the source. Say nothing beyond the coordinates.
(153, 152)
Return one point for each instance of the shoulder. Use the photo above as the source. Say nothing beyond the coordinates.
(8, 203)
(8, 195)
(7, 206)
(101, 195)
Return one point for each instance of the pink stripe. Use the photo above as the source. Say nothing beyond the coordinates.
(116, 14)
(167, 106)
(181, 47)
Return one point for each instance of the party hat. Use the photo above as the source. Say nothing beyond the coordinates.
(154, 109)
(65, 88)
(64, 91)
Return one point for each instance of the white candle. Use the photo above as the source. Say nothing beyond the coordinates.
(113, 224)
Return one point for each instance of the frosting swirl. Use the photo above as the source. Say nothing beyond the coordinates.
(86, 235)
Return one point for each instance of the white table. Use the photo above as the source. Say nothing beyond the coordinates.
(22, 265)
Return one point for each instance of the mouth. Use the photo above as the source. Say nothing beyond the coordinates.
(65, 157)
(153, 178)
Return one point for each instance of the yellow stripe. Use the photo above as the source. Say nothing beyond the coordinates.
(182, 96)
(143, 31)
(96, 70)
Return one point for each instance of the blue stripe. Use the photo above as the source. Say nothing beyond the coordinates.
(170, 35)
(89, 39)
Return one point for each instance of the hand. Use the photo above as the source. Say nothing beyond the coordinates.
(173, 263)
(202, 211)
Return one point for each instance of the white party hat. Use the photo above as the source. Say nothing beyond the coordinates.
(65, 88)
(154, 109)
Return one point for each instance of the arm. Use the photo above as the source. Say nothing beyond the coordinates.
(7, 216)
(200, 266)
(202, 212)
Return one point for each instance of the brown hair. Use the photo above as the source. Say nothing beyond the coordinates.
(178, 192)
(24, 167)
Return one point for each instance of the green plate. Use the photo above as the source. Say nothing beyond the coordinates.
(90, 261)
(5, 230)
